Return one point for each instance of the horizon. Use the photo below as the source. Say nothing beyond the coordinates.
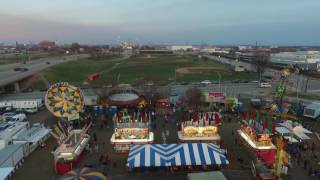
(167, 22)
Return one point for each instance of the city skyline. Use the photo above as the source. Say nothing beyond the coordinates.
(289, 22)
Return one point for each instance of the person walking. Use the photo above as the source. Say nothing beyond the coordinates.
(95, 137)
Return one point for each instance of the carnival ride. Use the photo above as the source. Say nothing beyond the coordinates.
(255, 132)
(123, 96)
(279, 107)
(274, 158)
(200, 127)
(83, 174)
(65, 101)
(70, 149)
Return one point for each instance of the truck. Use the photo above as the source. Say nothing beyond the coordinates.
(312, 110)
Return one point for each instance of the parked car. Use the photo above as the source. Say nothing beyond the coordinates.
(31, 110)
(264, 85)
(17, 118)
(7, 116)
(205, 82)
(20, 69)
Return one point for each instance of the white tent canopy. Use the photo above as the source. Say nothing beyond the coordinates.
(282, 130)
(5, 172)
(295, 128)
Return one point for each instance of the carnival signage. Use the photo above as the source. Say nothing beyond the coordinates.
(216, 96)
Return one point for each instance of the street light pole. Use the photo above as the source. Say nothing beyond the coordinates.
(219, 81)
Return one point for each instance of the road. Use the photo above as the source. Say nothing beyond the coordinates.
(231, 89)
(295, 80)
(8, 75)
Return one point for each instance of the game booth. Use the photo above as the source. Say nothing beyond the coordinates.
(131, 128)
(131, 120)
(184, 157)
(65, 101)
(200, 127)
(255, 132)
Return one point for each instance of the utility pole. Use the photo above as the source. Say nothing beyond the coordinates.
(306, 87)
(219, 75)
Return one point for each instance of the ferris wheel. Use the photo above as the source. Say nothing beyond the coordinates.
(64, 100)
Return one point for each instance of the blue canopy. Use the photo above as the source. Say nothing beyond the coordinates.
(162, 155)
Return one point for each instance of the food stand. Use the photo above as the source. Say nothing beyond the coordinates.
(131, 128)
(202, 127)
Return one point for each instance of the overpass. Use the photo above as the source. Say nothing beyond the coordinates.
(9, 76)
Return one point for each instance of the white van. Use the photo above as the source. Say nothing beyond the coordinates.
(264, 85)
(17, 118)
(312, 110)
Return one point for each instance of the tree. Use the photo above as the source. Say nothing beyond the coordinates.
(75, 47)
(261, 61)
(195, 98)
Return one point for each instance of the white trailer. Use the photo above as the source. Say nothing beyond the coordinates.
(34, 104)
(11, 155)
(312, 110)
(8, 132)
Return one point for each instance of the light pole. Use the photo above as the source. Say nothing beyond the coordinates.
(219, 75)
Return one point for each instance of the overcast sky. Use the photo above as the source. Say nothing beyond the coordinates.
(272, 22)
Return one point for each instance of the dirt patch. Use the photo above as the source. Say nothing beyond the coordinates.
(192, 70)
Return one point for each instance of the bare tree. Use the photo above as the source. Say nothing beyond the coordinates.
(195, 98)
(261, 61)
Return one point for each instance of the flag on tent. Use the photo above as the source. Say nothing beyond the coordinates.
(270, 124)
(216, 119)
(195, 116)
(257, 119)
(264, 122)
(251, 123)
(245, 115)
(252, 115)
(207, 116)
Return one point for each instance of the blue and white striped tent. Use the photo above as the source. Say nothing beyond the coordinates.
(162, 155)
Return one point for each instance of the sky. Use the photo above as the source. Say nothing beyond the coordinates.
(217, 22)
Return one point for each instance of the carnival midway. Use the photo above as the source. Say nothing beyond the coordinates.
(139, 133)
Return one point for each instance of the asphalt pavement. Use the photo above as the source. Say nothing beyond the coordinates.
(9, 75)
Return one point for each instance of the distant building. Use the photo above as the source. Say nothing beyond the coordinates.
(304, 60)
(308, 66)
(239, 69)
(155, 52)
(47, 44)
(244, 47)
(180, 48)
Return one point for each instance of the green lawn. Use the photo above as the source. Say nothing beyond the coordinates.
(77, 72)
(140, 68)
(304, 96)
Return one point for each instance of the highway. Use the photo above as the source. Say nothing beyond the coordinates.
(9, 75)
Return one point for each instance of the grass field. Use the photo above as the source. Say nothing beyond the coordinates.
(77, 72)
(304, 96)
(139, 68)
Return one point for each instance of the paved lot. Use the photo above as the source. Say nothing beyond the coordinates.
(39, 165)
(8, 75)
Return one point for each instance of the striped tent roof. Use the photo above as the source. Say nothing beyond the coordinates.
(162, 155)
